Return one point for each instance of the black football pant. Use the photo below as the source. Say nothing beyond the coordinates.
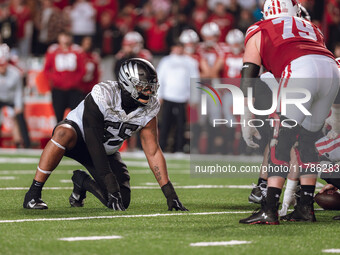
(118, 167)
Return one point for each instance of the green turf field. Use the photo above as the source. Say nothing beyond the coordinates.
(147, 227)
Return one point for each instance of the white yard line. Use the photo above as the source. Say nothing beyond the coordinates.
(123, 216)
(88, 238)
(7, 178)
(70, 162)
(151, 187)
(60, 171)
(225, 243)
(331, 251)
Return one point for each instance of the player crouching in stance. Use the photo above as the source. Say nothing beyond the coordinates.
(290, 48)
(94, 131)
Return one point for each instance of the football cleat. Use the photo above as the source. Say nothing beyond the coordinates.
(78, 195)
(34, 203)
(77, 200)
(267, 216)
(336, 217)
(301, 213)
(258, 193)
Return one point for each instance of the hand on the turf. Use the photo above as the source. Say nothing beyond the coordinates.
(328, 187)
(174, 203)
(115, 202)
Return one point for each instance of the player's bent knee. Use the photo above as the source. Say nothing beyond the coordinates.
(65, 137)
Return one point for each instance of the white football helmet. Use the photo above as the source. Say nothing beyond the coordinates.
(234, 36)
(235, 39)
(280, 8)
(135, 40)
(188, 36)
(133, 37)
(210, 29)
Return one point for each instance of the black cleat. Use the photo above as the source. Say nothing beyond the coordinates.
(77, 200)
(34, 203)
(267, 216)
(258, 193)
(301, 213)
(336, 217)
(79, 194)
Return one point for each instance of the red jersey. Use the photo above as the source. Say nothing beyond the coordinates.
(91, 77)
(232, 65)
(210, 54)
(285, 39)
(22, 15)
(156, 36)
(64, 68)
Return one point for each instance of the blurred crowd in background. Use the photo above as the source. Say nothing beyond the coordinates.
(71, 45)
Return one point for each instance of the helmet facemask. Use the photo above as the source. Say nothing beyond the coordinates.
(139, 78)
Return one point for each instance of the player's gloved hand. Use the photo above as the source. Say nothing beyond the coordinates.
(174, 203)
(115, 201)
(172, 198)
(248, 132)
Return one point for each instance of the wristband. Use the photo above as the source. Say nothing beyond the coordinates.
(168, 190)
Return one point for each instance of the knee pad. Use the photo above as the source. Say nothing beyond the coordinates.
(306, 153)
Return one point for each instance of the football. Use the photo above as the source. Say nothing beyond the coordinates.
(328, 200)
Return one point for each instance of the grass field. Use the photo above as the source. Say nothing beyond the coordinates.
(146, 227)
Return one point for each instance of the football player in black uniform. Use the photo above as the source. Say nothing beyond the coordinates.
(93, 132)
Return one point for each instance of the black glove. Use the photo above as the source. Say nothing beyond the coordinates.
(115, 201)
(172, 198)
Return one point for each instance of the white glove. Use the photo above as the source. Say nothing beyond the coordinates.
(247, 131)
(334, 121)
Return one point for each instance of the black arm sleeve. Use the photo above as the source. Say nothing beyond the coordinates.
(93, 122)
(249, 71)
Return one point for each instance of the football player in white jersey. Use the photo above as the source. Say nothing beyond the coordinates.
(93, 133)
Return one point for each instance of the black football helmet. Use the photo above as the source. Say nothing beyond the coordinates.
(138, 77)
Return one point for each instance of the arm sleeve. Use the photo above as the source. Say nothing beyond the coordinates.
(93, 123)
